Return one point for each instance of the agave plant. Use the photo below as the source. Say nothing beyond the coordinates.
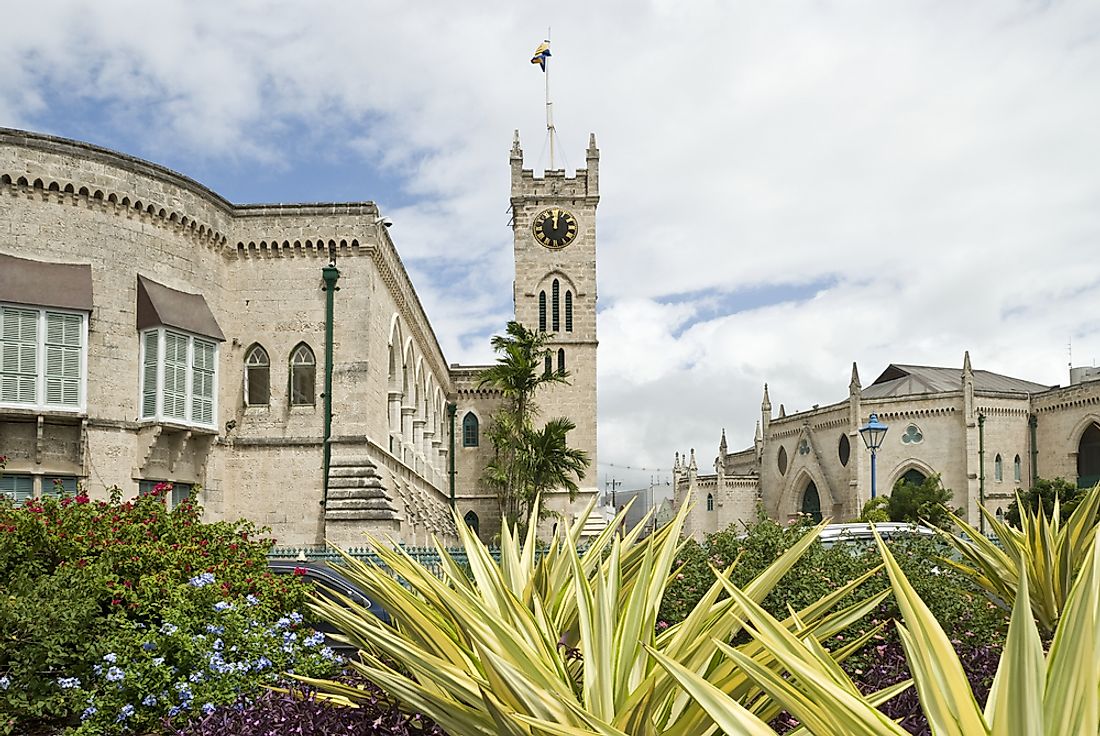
(557, 643)
(1033, 694)
(1048, 553)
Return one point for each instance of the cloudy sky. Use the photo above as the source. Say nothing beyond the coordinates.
(786, 187)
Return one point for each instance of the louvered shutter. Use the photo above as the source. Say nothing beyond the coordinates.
(18, 355)
(19, 487)
(149, 374)
(64, 335)
(175, 376)
(202, 383)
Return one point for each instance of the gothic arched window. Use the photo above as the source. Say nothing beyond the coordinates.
(710, 502)
(472, 521)
(561, 360)
(542, 311)
(257, 377)
(469, 430)
(1016, 469)
(555, 293)
(998, 469)
(548, 365)
(568, 310)
(303, 376)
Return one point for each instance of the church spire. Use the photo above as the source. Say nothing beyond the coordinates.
(967, 370)
(722, 447)
(766, 404)
(855, 386)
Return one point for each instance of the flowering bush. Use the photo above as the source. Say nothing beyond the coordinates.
(123, 614)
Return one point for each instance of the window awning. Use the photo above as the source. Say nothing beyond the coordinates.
(159, 305)
(42, 284)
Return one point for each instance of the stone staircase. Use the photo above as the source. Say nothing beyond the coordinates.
(355, 491)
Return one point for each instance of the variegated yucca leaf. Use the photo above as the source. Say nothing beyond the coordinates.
(1033, 694)
(559, 642)
(1048, 552)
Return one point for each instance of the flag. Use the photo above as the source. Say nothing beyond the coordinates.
(542, 53)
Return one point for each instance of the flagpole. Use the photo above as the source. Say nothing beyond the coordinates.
(549, 109)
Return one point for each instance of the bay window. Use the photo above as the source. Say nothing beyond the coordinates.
(43, 358)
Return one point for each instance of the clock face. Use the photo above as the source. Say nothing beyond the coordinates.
(554, 228)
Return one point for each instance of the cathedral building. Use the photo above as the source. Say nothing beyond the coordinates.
(275, 360)
(984, 433)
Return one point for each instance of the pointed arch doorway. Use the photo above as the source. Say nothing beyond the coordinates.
(811, 502)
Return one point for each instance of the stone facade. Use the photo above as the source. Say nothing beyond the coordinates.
(258, 271)
(984, 433)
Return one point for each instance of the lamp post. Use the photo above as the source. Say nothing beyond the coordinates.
(872, 434)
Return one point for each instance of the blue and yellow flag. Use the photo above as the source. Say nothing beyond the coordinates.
(542, 53)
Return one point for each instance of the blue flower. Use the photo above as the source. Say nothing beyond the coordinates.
(217, 645)
(115, 674)
(168, 629)
(316, 638)
(126, 712)
(5, 683)
(150, 700)
(252, 600)
(88, 713)
(196, 676)
(207, 708)
(110, 657)
(68, 683)
(283, 622)
(149, 646)
(158, 661)
(223, 606)
(173, 711)
(98, 669)
(261, 664)
(199, 581)
(212, 629)
(296, 617)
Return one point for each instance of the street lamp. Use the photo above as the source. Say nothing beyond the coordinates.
(872, 434)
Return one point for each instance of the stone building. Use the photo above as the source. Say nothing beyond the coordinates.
(152, 331)
(986, 434)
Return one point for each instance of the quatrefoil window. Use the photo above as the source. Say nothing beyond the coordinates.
(912, 435)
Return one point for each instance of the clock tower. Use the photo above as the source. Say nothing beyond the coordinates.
(554, 235)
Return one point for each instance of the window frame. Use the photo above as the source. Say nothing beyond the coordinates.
(40, 402)
(249, 367)
(476, 433)
(293, 367)
(158, 415)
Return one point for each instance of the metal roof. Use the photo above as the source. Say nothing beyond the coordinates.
(907, 380)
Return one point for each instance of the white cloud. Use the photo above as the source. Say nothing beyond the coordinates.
(935, 165)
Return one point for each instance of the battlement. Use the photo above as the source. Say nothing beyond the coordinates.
(553, 182)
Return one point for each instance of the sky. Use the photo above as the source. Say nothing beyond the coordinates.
(786, 187)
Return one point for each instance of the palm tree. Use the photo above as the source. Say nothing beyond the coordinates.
(526, 461)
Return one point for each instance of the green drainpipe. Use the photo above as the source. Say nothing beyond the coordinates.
(451, 409)
(1032, 423)
(981, 471)
(331, 275)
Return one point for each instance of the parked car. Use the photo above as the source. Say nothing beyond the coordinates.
(327, 581)
(860, 534)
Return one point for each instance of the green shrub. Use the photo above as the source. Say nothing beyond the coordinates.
(961, 607)
(116, 614)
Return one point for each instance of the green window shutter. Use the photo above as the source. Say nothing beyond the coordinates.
(18, 355)
(19, 487)
(149, 374)
(64, 336)
(202, 383)
(175, 376)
